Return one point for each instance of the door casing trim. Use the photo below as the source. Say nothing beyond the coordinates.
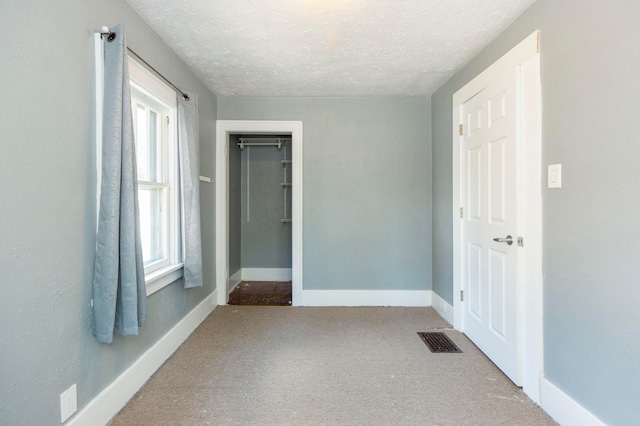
(223, 129)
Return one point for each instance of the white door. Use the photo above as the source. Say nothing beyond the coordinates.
(490, 186)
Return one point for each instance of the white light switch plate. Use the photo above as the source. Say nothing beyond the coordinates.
(554, 176)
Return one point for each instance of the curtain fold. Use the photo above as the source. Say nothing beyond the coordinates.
(188, 142)
(119, 292)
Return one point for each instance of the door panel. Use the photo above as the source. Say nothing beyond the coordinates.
(475, 184)
(475, 275)
(497, 182)
(497, 279)
(490, 193)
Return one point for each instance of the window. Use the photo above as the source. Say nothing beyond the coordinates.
(154, 111)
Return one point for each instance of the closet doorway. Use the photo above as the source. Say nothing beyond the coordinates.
(259, 206)
(259, 250)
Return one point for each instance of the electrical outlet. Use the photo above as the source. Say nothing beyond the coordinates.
(68, 403)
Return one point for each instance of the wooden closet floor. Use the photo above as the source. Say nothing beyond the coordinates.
(264, 293)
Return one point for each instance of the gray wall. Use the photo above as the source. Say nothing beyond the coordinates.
(266, 241)
(47, 206)
(367, 187)
(235, 205)
(591, 229)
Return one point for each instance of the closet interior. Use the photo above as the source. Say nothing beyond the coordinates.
(260, 212)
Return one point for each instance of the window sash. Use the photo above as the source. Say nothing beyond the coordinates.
(154, 225)
(151, 152)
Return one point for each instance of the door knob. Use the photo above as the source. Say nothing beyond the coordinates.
(508, 240)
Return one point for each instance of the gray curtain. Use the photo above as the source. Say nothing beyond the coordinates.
(119, 292)
(189, 140)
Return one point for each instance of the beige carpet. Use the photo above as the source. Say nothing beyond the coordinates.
(255, 365)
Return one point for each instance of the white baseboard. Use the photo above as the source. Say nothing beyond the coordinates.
(366, 298)
(234, 280)
(266, 274)
(564, 409)
(115, 396)
(442, 307)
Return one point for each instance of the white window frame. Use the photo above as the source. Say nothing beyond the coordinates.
(147, 88)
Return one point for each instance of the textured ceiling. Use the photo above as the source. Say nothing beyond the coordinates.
(327, 47)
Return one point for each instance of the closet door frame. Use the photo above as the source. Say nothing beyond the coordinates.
(223, 129)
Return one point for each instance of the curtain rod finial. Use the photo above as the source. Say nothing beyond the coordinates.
(105, 31)
(185, 97)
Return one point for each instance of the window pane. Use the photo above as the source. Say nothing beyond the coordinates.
(142, 143)
(154, 148)
(152, 224)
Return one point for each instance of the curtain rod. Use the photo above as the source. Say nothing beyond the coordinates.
(111, 36)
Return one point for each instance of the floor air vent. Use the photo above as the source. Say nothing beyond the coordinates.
(439, 342)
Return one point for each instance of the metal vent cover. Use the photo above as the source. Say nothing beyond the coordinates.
(439, 342)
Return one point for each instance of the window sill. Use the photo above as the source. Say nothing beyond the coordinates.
(161, 278)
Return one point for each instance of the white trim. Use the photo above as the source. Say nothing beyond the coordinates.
(266, 274)
(564, 409)
(115, 396)
(525, 54)
(234, 280)
(516, 56)
(161, 278)
(223, 129)
(442, 307)
(146, 78)
(407, 298)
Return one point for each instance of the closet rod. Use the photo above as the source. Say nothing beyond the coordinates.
(268, 142)
(265, 139)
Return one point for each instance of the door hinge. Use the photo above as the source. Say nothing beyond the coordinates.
(520, 242)
(462, 295)
(460, 129)
(461, 213)
(167, 120)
